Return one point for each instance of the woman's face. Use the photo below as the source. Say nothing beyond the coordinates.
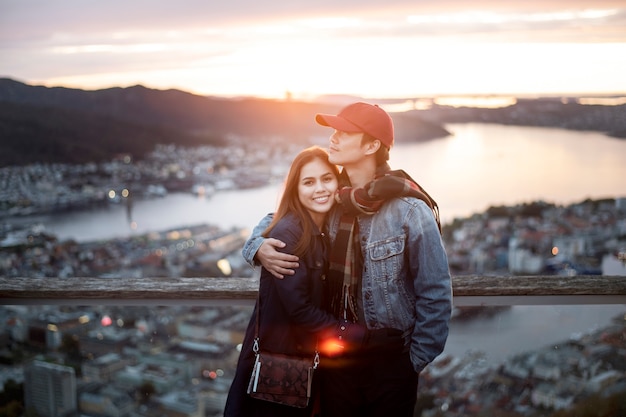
(316, 188)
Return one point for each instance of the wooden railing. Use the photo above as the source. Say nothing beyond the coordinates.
(211, 292)
(468, 290)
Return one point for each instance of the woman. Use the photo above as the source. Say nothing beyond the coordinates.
(290, 318)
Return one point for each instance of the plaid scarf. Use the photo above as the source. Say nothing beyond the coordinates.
(346, 258)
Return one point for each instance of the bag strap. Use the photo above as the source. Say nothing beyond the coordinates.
(255, 346)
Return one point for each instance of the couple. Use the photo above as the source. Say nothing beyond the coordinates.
(382, 282)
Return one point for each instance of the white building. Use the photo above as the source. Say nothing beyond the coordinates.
(50, 389)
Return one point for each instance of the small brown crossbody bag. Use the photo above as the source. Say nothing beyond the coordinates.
(280, 378)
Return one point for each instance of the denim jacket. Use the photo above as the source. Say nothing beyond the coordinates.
(406, 280)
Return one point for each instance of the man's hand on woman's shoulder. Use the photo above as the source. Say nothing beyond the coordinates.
(277, 263)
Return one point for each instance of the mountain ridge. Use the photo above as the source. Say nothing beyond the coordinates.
(143, 116)
(35, 120)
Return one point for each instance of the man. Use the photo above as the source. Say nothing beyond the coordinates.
(388, 270)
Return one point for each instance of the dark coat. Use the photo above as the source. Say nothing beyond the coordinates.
(291, 319)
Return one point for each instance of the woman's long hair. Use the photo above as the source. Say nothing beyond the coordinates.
(290, 203)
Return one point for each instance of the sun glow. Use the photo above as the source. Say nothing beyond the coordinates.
(309, 67)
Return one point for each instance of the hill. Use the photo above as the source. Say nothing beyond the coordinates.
(561, 112)
(57, 124)
(31, 133)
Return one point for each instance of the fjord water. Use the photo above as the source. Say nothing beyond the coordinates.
(488, 165)
(478, 166)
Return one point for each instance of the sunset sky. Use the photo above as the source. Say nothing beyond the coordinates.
(371, 48)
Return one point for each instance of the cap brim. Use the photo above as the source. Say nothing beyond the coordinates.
(336, 122)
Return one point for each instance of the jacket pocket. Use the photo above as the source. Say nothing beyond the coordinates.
(386, 257)
(387, 248)
(392, 304)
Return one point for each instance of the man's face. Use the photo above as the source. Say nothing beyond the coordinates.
(346, 148)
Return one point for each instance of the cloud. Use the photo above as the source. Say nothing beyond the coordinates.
(44, 16)
(567, 25)
(41, 23)
(188, 42)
